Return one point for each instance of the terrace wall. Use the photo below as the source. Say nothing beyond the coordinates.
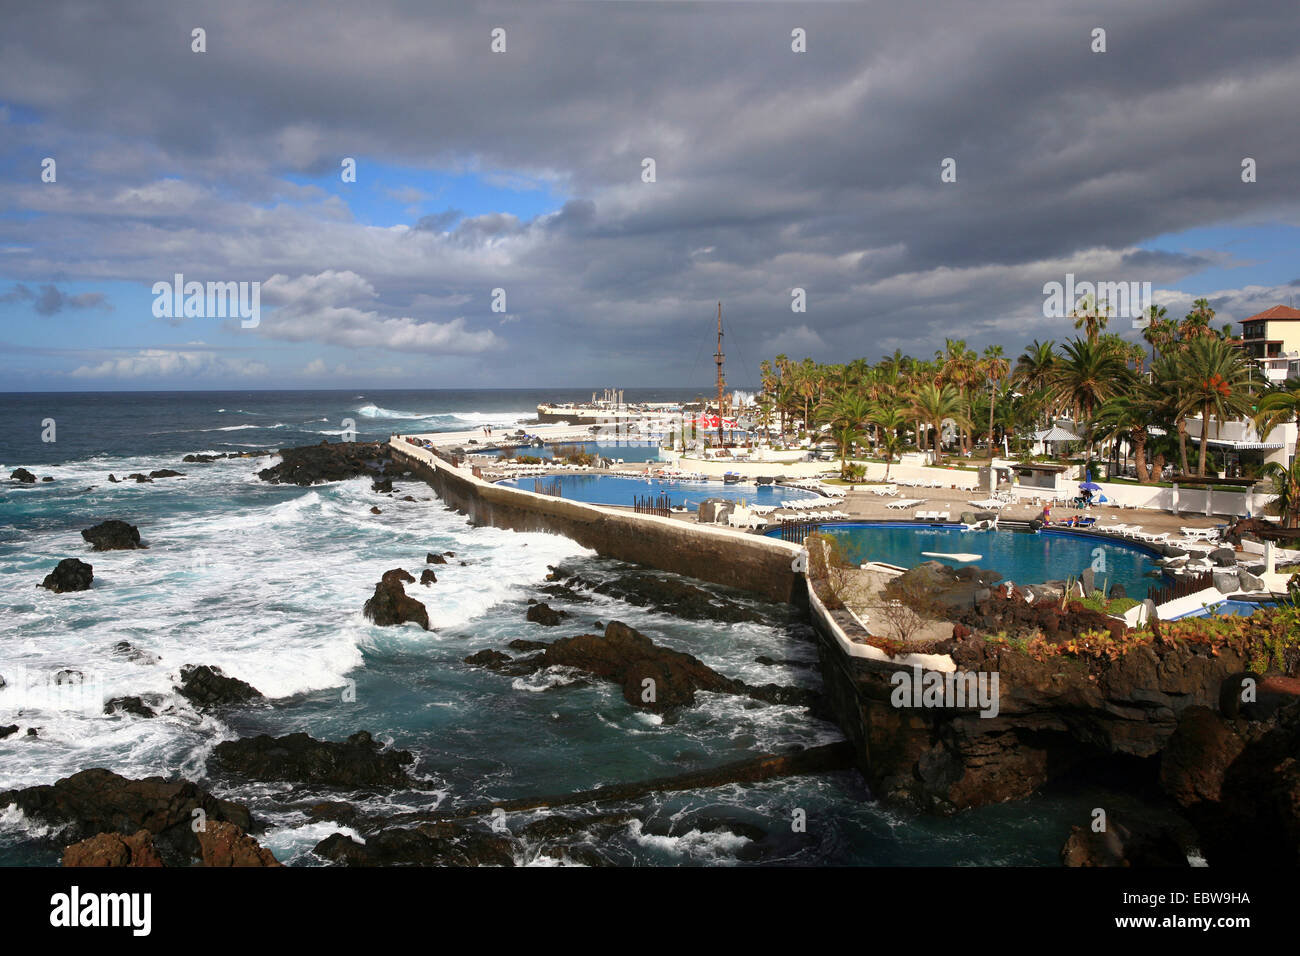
(749, 562)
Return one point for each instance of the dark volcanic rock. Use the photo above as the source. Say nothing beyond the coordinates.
(432, 558)
(1123, 845)
(429, 844)
(996, 612)
(98, 801)
(1224, 557)
(69, 575)
(374, 510)
(139, 478)
(113, 535)
(382, 485)
(206, 686)
(519, 644)
(672, 595)
(427, 577)
(201, 459)
(114, 849)
(132, 653)
(652, 677)
(8, 731)
(390, 605)
(324, 462)
(166, 473)
(221, 844)
(224, 844)
(492, 660)
(23, 475)
(129, 705)
(297, 758)
(545, 615)
(1238, 781)
(942, 585)
(1055, 715)
(335, 810)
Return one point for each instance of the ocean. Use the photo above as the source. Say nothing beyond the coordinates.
(267, 582)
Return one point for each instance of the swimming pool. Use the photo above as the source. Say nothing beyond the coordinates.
(621, 490)
(1023, 557)
(1227, 609)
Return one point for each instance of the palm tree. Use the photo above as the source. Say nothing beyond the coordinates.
(888, 419)
(1033, 370)
(1167, 376)
(932, 404)
(994, 366)
(1088, 373)
(1278, 406)
(1092, 316)
(1157, 328)
(846, 411)
(1218, 382)
(1127, 416)
(1197, 322)
(1286, 485)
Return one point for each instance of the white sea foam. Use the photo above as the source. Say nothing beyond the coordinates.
(266, 582)
(546, 679)
(472, 418)
(693, 843)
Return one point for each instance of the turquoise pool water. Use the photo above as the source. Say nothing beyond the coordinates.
(621, 490)
(1023, 557)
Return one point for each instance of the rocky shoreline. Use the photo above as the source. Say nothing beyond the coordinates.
(1198, 718)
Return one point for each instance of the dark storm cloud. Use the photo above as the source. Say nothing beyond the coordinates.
(49, 300)
(1159, 260)
(774, 169)
(438, 222)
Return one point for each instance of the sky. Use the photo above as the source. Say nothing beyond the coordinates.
(524, 170)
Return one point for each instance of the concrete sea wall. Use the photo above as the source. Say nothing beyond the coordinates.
(762, 566)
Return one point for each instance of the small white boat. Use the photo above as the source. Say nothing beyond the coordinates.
(959, 557)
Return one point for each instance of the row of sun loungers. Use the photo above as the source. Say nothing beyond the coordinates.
(988, 504)
(818, 515)
(903, 503)
(814, 484)
(802, 504)
(931, 516)
(918, 483)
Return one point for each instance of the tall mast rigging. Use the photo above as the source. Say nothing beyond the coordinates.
(717, 358)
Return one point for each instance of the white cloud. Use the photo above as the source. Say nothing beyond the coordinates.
(170, 363)
(319, 308)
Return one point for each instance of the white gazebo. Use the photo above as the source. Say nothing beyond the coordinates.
(1053, 435)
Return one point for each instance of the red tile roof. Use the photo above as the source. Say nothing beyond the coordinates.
(1277, 313)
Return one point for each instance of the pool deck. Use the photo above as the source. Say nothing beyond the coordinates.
(861, 503)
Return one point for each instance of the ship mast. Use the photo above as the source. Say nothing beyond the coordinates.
(717, 358)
